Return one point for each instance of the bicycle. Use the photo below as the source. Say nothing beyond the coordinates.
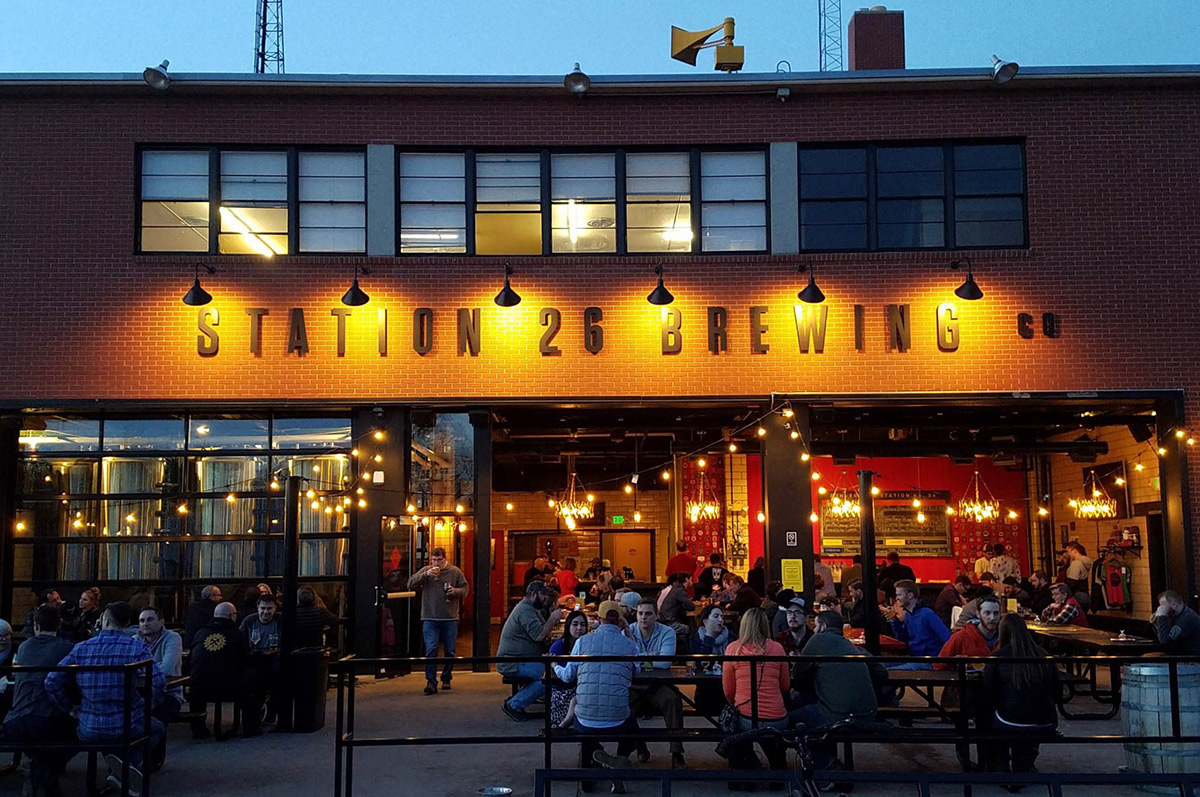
(800, 740)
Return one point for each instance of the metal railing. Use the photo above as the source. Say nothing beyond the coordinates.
(347, 740)
(137, 680)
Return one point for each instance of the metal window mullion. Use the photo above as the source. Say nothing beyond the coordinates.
(872, 199)
(694, 167)
(214, 200)
(948, 169)
(293, 200)
(621, 201)
(469, 197)
(544, 183)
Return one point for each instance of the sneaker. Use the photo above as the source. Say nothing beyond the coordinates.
(445, 686)
(678, 761)
(609, 761)
(430, 688)
(512, 713)
(115, 768)
(618, 787)
(643, 754)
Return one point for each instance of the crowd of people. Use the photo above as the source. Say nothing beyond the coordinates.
(224, 659)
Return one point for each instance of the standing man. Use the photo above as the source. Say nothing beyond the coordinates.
(34, 717)
(681, 562)
(101, 694)
(822, 570)
(1177, 626)
(524, 634)
(915, 623)
(1079, 568)
(652, 638)
(1002, 565)
(200, 613)
(852, 573)
(894, 571)
(537, 570)
(443, 586)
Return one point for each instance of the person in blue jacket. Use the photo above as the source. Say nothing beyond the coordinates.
(918, 625)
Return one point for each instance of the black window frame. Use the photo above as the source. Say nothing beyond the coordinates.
(214, 196)
(948, 196)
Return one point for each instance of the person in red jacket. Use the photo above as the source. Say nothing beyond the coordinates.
(1065, 610)
(681, 562)
(978, 637)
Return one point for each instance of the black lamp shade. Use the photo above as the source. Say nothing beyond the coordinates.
(660, 295)
(969, 290)
(355, 297)
(811, 293)
(197, 296)
(507, 297)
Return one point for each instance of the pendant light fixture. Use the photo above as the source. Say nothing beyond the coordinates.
(660, 296)
(978, 503)
(969, 290)
(811, 293)
(1095, 503)
(507, 297)
(356, 297)
(197, 296)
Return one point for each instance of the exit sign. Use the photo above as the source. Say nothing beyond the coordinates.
(618, 520)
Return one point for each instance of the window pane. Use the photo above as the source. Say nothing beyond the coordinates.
(657, 176)
(742, 214)
(253, 176)
(508, 233)
(175, 187)
(736, 164)
(911, 236)
(987, 156)
(650, 240)
(292, 433)
(833, 161)
(59, 434)
(993, 209)
(720, 239)
(989, 233)
(333, 227)
(508, 178)
(895, 211)
(834, 236)
(175, 175)
(212, 433)
(322, 239)
(833, 213)
(716, 189)
(432, 164)
(254, 230)
(908, 159)
(911, 184)
(989, 181)
(182, 239)
(432, 189)
(584, 227)
(163, 434)
(833, 186)
(230, 475)
(54, 477)
(443, 464)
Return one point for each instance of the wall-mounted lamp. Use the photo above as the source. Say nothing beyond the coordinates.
(782, 93)
(969, 290)
(660, 295)
(507, 297)
(577, 82)
(1003, 71)
(197, 296)
(356, 296)
(811, 293)
(156, 77)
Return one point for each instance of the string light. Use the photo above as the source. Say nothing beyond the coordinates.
(762, 431)
(1139, 467)
(637, 516)
(378, 434)
(1012, 514)
(950, 511)
(274, 484)
(804, 456)
(230, 498)
(796, 436)
(550, 502)
(665, 475)
(732, 447)
(762, 517)
(787, 412)
(182, 509)
(359, 491)
(411, 508)
(816, 476)
(1162, 452)
(628, 489)
(354, 452)
(702, 463)
(316, 468)
(813, 518)
(920, 517)
(459, 508)
(310, 494)
(1180, 434)
(591, 498)
(916, 502)
(378, 457)
(508, 507)
(1119, 481)
(462, 526)
(315, 505)
(874, 490)
(1043, 511)
(20, 525)
(362, 503)
(821, 490)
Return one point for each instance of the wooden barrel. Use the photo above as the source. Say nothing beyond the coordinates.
(1146, 711)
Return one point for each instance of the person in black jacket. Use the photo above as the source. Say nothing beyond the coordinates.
(710, 577)
(312, 619)
(893, 571)
(1023, 696)
(222, 668)
(200, 613)
(1039, 596)
(757, 577)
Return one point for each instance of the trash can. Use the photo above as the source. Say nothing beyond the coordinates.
(310, 678)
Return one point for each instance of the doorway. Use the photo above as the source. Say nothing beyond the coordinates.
(629, 549)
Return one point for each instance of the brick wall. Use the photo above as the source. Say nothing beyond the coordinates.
(1112, 209)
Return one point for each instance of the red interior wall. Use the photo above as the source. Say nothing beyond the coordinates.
(754, 505)
(499, 594)
(937, 473)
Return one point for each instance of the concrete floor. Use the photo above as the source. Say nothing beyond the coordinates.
(300, 765)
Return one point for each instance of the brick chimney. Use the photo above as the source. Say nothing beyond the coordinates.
(876, 38)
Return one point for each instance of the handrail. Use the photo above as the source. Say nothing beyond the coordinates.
(348, 667)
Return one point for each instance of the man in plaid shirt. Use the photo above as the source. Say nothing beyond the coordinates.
(1065, 610)
(101, 711)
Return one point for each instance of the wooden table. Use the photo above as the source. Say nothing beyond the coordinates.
(1091, 641)
(888, 646)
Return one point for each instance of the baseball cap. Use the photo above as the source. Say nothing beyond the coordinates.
(610, 610)
(797, 602)
(536, 587)
(631, 600)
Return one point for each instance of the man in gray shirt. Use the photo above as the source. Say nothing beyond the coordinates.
(524, 634)
(443, 587)
(34, 717)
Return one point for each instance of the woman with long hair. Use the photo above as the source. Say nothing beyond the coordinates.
(562, 698)
(771, 682)
(1023, 694)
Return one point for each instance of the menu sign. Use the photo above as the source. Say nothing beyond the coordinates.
(915, 531)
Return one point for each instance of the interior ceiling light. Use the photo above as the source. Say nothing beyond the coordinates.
(232, 219)
(969, 290)
(974, 505)
(660, 296)
(1003, 71)
(197, 296)
(811, 293)
(569, 507)
(704, 506)
(156, 77)
(356, 296)
(1095, 502)
(577, 82)
(507, 297)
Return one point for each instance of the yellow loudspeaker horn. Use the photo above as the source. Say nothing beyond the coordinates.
(686, 44)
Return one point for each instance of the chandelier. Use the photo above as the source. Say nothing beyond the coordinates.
(1096, 503)
(844, 504)
(974, 506)
(570, 508)
(704, 506)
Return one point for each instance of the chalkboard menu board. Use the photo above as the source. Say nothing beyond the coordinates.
(896, 526)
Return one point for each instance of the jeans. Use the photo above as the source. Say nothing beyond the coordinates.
(741, 756)
(445, 631)
(45, 766)
(532, 692)
(157, 732)
(911, 665)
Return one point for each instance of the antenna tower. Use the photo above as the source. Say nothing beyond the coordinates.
(829, 36)
(268, 37)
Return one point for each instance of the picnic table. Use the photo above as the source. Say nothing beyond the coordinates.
(888, 646)
(1092, 641)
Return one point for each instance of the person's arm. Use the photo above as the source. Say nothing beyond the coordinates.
(729, 681)
(418, 578)
(899, 629)
(785, 680)
(460, 588)
(567, 672)
(535, 629)
(936, 627)
(172, 660)
(948, 651)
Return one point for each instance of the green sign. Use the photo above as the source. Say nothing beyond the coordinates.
(618, 520)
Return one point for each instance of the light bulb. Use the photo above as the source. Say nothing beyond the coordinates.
(796, 436)
(1043, 511)
(637, 517)
(920, 517)
(628, 489)
(508, 507)
(354, 452)
(733, 448)
(762, 517)
(1119, 480)
(458, 508)
(702, 463)
(804, 457)
(20, 525)
(1139, 467)
(816, 476)
(378, 435)
(130, 518)
(813, 518)
(310, 494)
(366, 475)
(949, 510)
(1012, 514)
(1191, 441)
(570, 522)
(1162, 452)
(182, 509)
(362, 503)
(1180, 434)
(359, 491)
(462, 526)
(821, 490)
(665, 475)
(916, 503)
(316, 468)
(274, 484)
(550, 502)
(411, 508)
(231, 498)
(591, 497)
(328, 510)
(378, 457)
(874, 490)
(762, 432)
(1095, 493)
(787, 412)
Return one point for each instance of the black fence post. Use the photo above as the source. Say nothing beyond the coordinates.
(291, 584)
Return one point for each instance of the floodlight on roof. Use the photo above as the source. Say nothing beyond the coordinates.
(1003, 71)
(156, 77)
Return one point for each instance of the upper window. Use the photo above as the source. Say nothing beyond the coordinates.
(733, 186)
(433, 202)
(658, 190)
(508, 204)
(583, 203)
(253, 202)
(912, 197)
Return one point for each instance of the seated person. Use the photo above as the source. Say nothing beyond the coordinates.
(221, 669)
(953, 594)
(1011, 588)
(795, 636)
(250, 605)
(50, 598)
(978, 638)
(261, 630)
(710, 639)
(652, 638)
(312, 619)
(744, 598)
(167, 649)
(81, 621)
(524, 634)
(676, 605)
(34, 717)
(562, 698)
(1039, 597)
(1063, 609)
(1024, 696)
(917, 625)
(860, 607)
(828, 603)
(1176, 626)
(711, 577)
(988, 587)
(595, 570)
